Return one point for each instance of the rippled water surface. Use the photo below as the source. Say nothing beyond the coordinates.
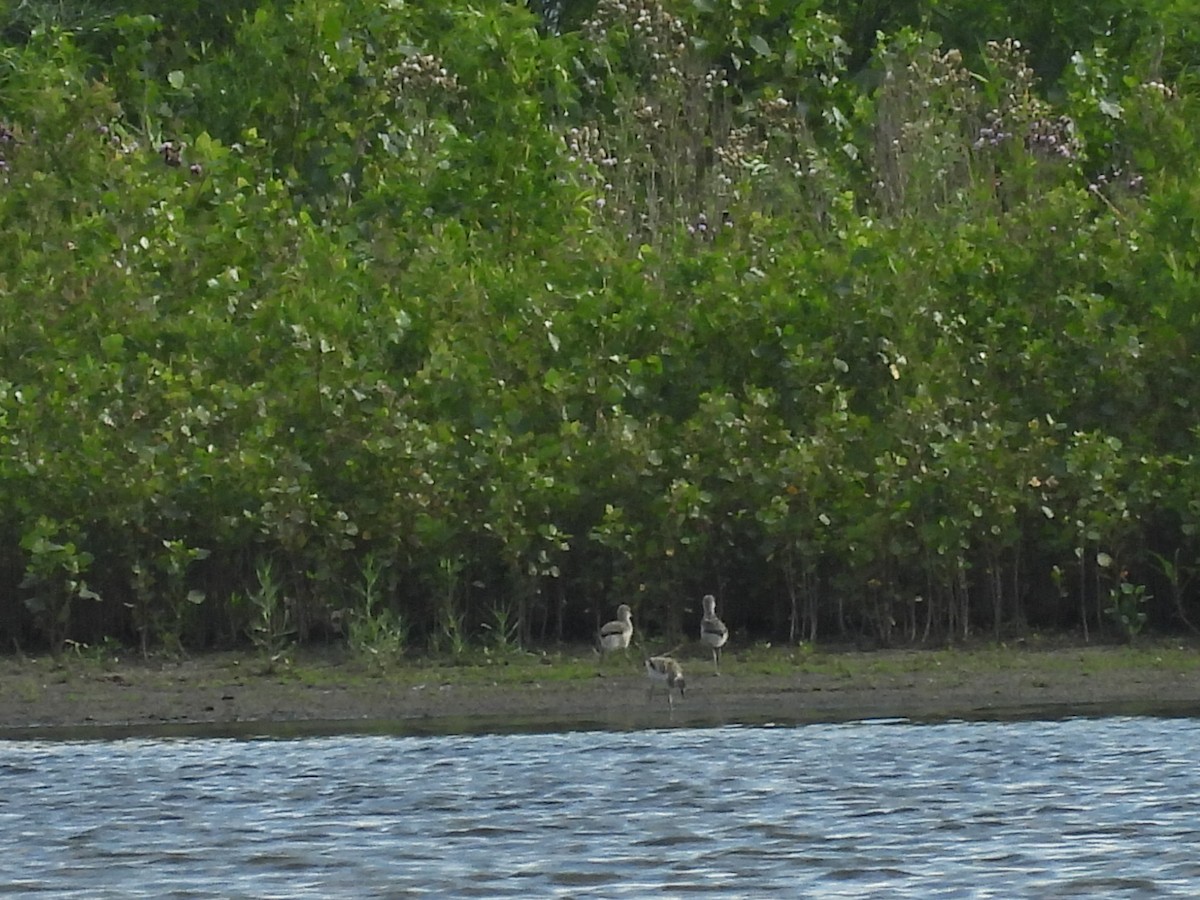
(1085, 807)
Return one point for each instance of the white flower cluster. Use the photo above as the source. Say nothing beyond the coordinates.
(423, 71)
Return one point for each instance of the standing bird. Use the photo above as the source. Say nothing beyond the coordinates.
(664, 670)
(616, 635)
(712, 630)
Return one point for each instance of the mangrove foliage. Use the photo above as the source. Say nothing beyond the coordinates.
(437, 324)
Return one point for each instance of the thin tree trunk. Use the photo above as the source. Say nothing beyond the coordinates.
(810, 602)
(789, 577)
(964, 598)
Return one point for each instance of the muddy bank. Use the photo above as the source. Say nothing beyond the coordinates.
(237, 695)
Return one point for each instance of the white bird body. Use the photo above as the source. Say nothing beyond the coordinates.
(617, 634)
(665, 670)
(713, 632)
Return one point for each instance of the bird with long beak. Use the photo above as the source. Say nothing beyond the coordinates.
(665, 670)
(713, 632)
(617, 634)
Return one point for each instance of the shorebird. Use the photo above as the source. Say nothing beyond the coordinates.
(664, 670)
(712, 630)
(615, 635)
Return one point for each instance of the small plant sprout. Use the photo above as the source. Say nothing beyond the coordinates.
(271, 630)
(376, 632)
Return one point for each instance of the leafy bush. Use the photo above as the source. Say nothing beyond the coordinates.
(631, 302)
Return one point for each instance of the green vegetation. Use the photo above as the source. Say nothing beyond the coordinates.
(1035, 662)
(455, 325)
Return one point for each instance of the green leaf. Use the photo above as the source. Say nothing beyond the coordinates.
(112, 344)
(175, 79)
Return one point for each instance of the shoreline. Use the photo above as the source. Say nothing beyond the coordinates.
(238, 695)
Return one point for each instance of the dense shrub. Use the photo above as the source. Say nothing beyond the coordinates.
(519, 315)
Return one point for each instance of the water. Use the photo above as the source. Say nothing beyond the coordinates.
(1074, 808)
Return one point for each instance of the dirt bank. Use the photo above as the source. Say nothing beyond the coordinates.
(236, 694)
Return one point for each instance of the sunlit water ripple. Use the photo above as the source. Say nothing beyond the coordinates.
(1084, 807)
